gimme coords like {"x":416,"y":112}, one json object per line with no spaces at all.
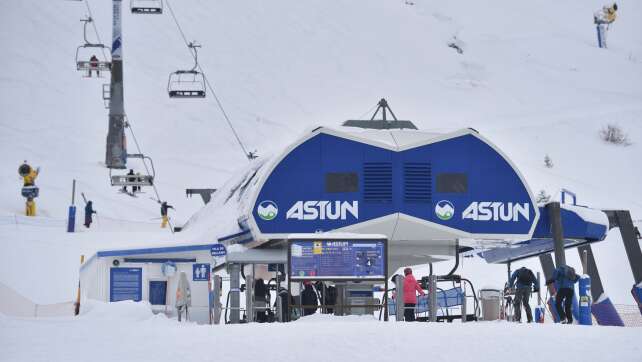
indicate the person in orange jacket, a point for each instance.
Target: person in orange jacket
{"x":410,"y":287}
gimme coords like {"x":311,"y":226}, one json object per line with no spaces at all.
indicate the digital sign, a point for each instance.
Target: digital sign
{"x":337,"y":259}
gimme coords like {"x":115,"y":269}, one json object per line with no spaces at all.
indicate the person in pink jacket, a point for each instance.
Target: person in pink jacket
{"x":410,"y":286}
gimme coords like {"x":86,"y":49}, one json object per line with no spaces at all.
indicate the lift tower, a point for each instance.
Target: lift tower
{"x":116,"y":153}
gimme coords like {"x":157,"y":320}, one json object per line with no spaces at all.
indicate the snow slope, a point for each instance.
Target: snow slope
{"x":530,"y":79}
{"x":129,"y":332}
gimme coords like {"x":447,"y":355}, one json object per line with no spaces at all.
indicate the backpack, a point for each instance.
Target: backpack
{"x":570,"y":274}
{"x":525,"y":277}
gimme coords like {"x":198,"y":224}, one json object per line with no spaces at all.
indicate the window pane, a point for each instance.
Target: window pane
{"x":452,"y":182}
{"x":341,"y":182}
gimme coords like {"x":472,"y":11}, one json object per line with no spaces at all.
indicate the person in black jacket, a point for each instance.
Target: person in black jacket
{"x":89,"y":211}
{"x":523,"y":278}
{"x":261,"y":297}
{"x":309,"y":299}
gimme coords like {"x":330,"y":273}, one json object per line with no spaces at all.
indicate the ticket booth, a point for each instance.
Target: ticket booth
{"x":151,"y":274}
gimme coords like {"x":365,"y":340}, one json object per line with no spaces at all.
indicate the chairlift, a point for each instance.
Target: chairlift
{"x":135,"y":179}
{"x":146,"y":6}
{"x":85,"y":52}
{"x":187,"y":83}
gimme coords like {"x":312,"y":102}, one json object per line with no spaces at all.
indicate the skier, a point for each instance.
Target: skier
{"x":309,"y":299}
{"x":410,"y":285}
{"x":129,"y":179}
{"x":89,"y":211}
{"x":93,"y":65}
{"x":603,"y":19}
{"x":164,"y":208}
{"x":524,"y":278}
{"x":564,"y":278}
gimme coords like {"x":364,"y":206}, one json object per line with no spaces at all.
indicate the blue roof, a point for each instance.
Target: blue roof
{"x":160,"y":250}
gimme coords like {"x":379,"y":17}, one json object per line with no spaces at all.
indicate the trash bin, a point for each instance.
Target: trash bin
{"x":491,"y":303}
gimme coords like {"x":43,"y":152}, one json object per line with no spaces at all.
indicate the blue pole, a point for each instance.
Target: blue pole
{"x":585,"y":318}
{"x":71,"y":220}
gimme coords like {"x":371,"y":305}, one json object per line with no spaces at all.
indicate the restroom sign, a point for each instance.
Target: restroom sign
{"x":200,"y":272}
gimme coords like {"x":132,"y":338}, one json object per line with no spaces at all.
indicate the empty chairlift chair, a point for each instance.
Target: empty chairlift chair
{"x":85,"y":52}
{"x":187,"y":83}
{"x":146,"y":6}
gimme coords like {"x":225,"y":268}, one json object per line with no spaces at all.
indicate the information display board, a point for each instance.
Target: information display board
{"x":337,"y":259}
{"x":125,"y":284}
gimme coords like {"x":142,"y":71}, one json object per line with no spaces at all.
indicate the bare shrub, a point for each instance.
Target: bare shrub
{"x":614,"y":134}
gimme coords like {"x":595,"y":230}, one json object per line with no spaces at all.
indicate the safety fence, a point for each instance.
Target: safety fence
{"x":630,"y":314}
{"x":16,"y":305}
{"x":101,"y":223}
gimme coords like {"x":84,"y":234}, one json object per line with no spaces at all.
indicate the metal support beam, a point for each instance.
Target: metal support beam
{"x":399,"y":297}
{"x":235,"y":292}
{"x":432,"y":295}
{"x":596,"y":282}
{"x":206,"y":194}
{"x":603,"y":309}
{"x":555,"y":216}
{"x":548,"y":268}
{"x":631,"y":244}
{"x":116,"y":150}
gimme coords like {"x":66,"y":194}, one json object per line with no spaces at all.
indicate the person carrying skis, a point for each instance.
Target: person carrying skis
{"x":164,"y":208}
{"x":93,"y":65}
{"x":564,"y":278}
{"x":524,"y":278}
{"x":410,"y":286}
{"x":603,"y":19}
{"x":89,"y":211}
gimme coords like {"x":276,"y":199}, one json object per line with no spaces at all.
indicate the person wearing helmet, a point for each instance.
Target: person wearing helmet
{"x":410,"y":288}
{"x":603,"y":19}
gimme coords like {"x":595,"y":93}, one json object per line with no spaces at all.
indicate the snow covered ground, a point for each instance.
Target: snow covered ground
{"x":127,"y":331}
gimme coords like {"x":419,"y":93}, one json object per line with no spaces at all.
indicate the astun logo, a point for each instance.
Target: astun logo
{"x":444,"y":210}
{"x":323,"y":210}
{"x":267,"y":210}
{"x":496,"y":211}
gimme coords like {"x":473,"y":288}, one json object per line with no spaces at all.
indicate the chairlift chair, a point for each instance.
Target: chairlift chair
{"x":84,"y":53}
{"x":134,"y":180}
{"x":146,"y":6}
{"x":187,"y":83}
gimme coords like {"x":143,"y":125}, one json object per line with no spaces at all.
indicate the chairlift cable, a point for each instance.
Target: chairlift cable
{"x":131,"y":130}
{"x":207,"y":82}
{"x":93,"y":24}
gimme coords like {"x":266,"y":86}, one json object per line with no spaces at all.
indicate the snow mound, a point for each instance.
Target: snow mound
{"x":331,"y":318}
{"x":126,"y":310}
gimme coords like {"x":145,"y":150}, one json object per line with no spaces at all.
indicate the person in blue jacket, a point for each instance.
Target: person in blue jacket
{"x":564,"y":278}
{"x":523,"y":278}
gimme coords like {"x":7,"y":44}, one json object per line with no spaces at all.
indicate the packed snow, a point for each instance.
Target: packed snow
{"x":128,"y":331}
{"x":530,"y":78}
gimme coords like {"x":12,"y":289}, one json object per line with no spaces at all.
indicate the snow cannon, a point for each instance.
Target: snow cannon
{"x":425,"y":191}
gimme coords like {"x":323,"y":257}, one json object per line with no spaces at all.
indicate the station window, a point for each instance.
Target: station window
{"x":341,"y":182}
{"x":452,"y":182}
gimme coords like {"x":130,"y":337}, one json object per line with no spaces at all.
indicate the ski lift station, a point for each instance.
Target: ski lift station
{"x":403,"y":196}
